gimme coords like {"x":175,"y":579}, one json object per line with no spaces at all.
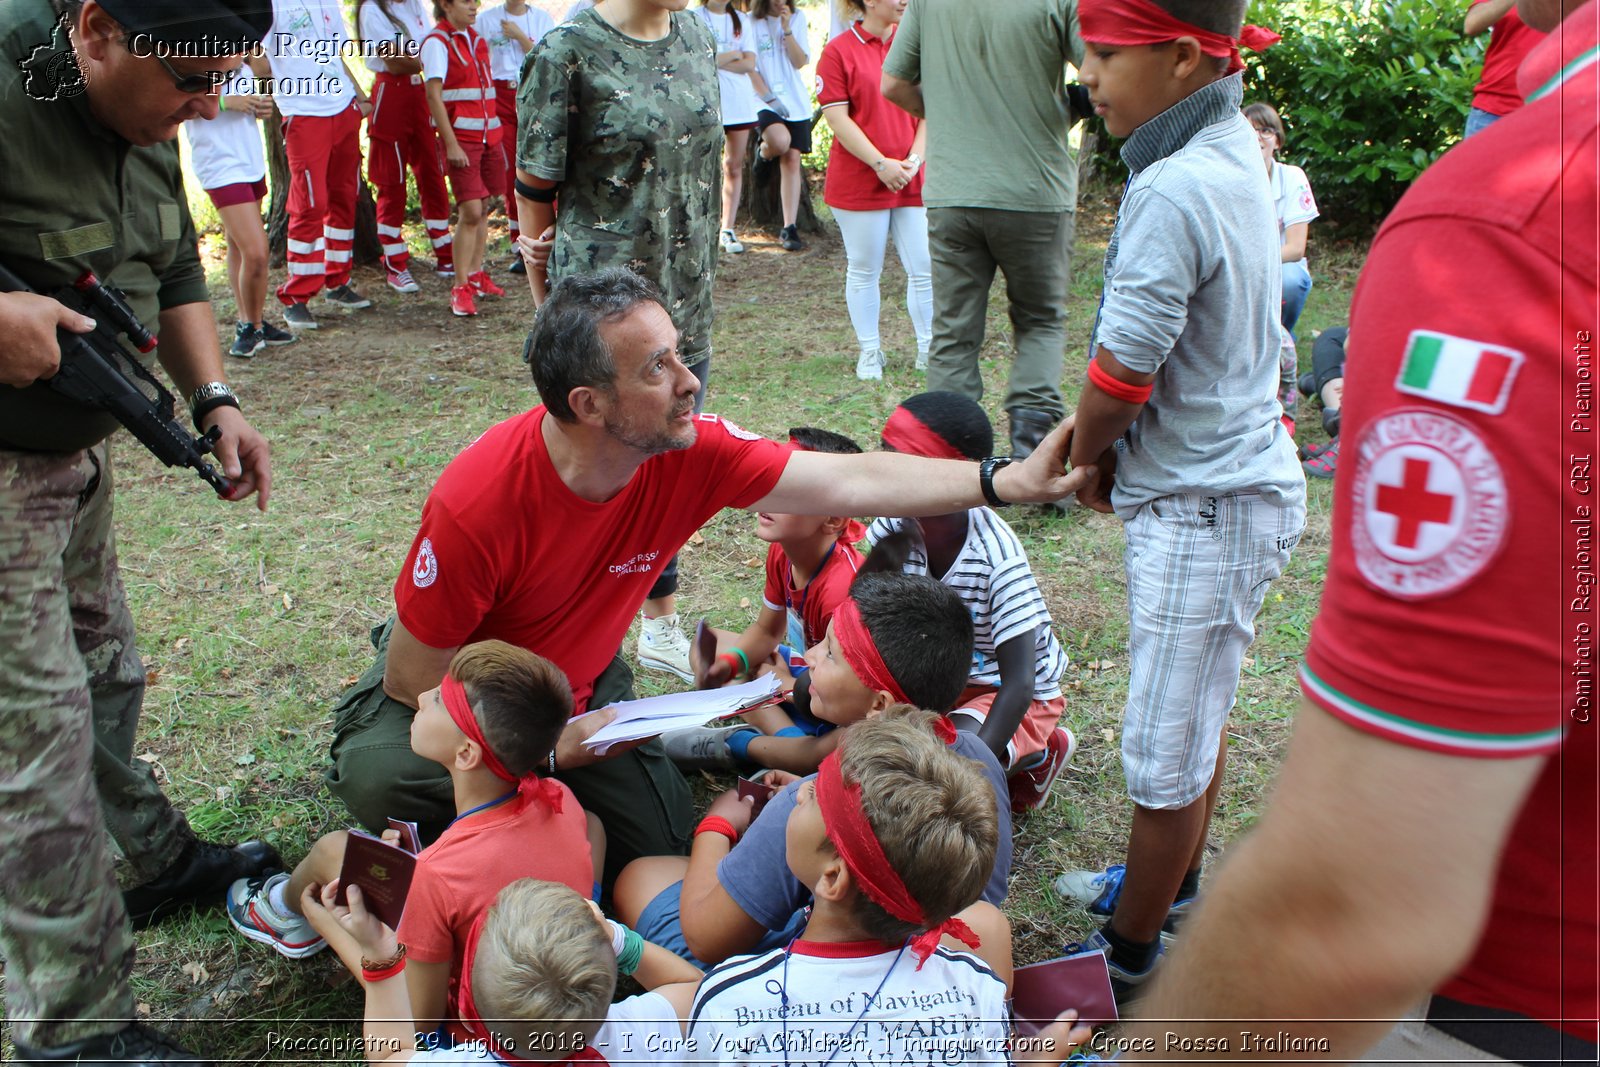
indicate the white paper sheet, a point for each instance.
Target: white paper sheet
{"x":676,"y":711}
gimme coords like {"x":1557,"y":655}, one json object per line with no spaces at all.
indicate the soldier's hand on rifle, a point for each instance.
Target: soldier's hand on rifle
{"x":243,"y":455}
{"x":28,"y":323}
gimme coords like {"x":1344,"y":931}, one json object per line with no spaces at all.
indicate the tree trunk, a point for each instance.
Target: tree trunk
{"x":364,"y":251}
{"x":761,"y":201}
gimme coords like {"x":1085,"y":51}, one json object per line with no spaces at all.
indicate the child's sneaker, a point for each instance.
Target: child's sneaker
{"x":401,"y":281}
{"x":730,"y":242}
{"x":345,"y":296}
{"x":298,"y":316}
{"x":1031,"y":785}
{"x":702,"y":748}
{"x":663,"y":646}
{"x":484,"y":285}
{"x":922,"y":359}
{"x":251,"y":912}
{"x":1323,"y":463}
{"x":275,"y":336}
{"x":247,"y":341}
{"x":461,"y":301}
{"x":1098,"y":892}
{"x":789,"y":238}
{"x":1125,"y":984}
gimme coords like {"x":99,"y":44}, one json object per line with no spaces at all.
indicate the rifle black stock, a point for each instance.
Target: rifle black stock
{"x":91,"y":373}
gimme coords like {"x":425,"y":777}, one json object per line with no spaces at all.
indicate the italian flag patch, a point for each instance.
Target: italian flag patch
{"x":1458,"y":371}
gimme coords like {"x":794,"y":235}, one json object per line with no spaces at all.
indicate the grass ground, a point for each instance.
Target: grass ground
{"x":251,"y":625}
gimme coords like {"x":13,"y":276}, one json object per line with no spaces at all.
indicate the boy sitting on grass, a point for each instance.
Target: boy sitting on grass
{"x":811,"y":561}
{"x":541,"y":969}
{"x":492,"y":722}
{"x":1013,"y":696}
{"x":894,"y":837}
{"x":899,"y":639}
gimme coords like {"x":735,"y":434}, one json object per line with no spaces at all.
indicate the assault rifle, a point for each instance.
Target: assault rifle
{"x":92,"y":373}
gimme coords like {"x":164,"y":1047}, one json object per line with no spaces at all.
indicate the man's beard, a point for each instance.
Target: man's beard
{"x":666,"y":439}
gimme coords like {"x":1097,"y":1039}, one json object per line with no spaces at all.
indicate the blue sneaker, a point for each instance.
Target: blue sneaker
{"x":1098,"y":892}
{"x":1125,"y":984}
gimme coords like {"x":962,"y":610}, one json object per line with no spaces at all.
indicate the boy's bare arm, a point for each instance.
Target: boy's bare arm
{"x":659,"y":966}
{"x":1011,"y":703}
{"x":769,"y":719}
{"x":428,"y":985}
{"x":798,"y":755}
{"x":1101,"y":420}
{"x":714,"y":926}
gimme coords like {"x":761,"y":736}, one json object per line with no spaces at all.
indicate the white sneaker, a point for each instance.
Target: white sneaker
{"x":922,"y":359}
{"x":251,"y":912}
{"x":730,"y":242}
{"x":663,"y":646}
{"x":869,"y":366}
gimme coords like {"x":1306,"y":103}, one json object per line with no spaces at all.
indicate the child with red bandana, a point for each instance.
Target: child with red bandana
{"x":1181,"y":417}
{"x":894,"y":837}
{"x":899,"y":639}
{"x":492,"y":723}
{"x":811,"y":561}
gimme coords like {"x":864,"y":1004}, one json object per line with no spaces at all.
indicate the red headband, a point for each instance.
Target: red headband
{"x":467,"y":1008}
{"x":861,"y":654}
{"x":1134,"y":22}
{"x":853,"y":838}
{"x":454,"y":696}
{"x":904,"y":432}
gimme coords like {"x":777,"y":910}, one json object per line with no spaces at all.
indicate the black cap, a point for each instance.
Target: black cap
{"x":195,"y":27}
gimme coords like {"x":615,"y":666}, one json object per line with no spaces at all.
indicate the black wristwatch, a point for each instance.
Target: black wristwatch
{"x":986,"y":471}
{"x":208,"y":398}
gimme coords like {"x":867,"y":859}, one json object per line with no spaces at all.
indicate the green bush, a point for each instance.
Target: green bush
{"x":1372,"y":92}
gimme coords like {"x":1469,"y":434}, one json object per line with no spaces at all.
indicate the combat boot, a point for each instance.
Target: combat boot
{"x":200,"y":876}
{"x":1028,"y":427}
{"x":132,"y":1046}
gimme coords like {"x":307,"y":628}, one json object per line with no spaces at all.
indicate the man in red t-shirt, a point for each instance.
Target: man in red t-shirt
{"x":1429,"y":854}
{"x":548,"y":531}
{"x":1510,"y":39}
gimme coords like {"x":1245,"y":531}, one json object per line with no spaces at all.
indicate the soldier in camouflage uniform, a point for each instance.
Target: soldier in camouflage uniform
{"x":87,"y":115}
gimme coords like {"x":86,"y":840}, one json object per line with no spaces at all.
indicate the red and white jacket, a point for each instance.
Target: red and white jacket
{"x":468,"y":90}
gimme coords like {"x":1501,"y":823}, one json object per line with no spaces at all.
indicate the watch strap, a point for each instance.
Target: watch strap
{"x":986,"y":472}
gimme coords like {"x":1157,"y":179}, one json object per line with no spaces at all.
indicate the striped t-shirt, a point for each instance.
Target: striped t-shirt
{"x":992,"y":576}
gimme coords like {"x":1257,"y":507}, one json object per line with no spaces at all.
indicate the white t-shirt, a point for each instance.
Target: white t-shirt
{"x":739,"y":100}
{"x":577,"y":7}
{"x":641,"y":1029}
{"x":227,"y":150}
{"x":375,"y":26}
{"x":505,"y":54}
{"x":305,"y":47}
{"x":952,"y":1011}
{"x":772,"y":62}
{"x":1291,"y":194}
{"x":992,"y":576}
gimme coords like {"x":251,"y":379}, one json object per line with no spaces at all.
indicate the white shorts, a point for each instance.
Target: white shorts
{"x":1198,"y":568}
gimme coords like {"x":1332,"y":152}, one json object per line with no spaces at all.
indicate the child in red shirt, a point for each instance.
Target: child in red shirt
{"x":811,"y":561}
{"x":460,"y":87}
{"x":492,"y":723}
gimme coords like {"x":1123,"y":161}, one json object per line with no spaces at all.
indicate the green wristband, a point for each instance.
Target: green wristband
{"x":632,"y":952}
{"x":737,"y":651}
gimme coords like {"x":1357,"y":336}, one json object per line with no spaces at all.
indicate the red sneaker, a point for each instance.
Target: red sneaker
{"x":484,"y":285}
{"x":461,"y":301}
{"x":1030,"y":786}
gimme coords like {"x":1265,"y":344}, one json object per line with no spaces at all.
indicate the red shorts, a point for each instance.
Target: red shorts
{"x":485,"y":172}
{"x":238,"y":193}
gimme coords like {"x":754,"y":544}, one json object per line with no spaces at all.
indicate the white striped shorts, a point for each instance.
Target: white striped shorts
{"x":1198,"y":568}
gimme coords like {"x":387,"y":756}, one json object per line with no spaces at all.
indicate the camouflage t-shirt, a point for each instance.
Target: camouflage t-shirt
{"x":632,"y":131}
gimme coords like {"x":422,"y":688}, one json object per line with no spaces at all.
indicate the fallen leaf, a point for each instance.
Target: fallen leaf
{"x":197,"y":972}
{"x":224,"y":792}
{"x":1102,"y":665}
{"x":288,"y":602}
{"x":151,"y":677}
{"x":1249,"y":661}
{"x":246,"y":759}
{"x":141,"y":1008}
{"x":698,"y":538}
{"x":180,"y":644}
{"x":1108,"y":735}
{"x":148,"y":757}
{"x":744,"y":602}
{"x":227,"y":673}
{"x":752,"y":562}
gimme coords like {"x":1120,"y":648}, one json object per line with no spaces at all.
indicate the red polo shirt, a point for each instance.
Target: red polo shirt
{"x":1510,"y":40}
{"x":849,"y":74}
{"x":1460,"y":609}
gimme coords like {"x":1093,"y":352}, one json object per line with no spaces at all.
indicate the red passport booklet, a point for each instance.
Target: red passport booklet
{"x":383,"y":872}
{"x":1041,"y":991}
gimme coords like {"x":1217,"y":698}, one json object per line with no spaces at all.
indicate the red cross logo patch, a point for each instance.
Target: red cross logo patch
{"x":1430,"y":504}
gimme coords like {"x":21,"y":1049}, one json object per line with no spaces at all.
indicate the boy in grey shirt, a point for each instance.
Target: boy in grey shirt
{"x":1180,"y":414}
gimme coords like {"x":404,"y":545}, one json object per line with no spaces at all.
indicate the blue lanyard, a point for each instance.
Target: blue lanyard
{"x":798,"y":600}
{"x":483,"y":807}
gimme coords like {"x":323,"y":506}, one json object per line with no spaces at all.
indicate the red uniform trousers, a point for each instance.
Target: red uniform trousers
{"x":400,"y":135}
{"x":505,"y":106}
{"x":325,"y":175}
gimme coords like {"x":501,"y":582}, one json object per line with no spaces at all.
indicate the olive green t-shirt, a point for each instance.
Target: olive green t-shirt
{"x":633,"y":132}
{"x":78,"y":197}
{"x":993,"y":77}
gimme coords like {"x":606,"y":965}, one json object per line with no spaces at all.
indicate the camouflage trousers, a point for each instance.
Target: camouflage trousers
{"x":71,"y":685}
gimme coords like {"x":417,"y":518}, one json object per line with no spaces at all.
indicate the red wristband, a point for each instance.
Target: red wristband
{"x":1128,"y":394}
{"x":388,"y":972}
{"x":736,"y":669}
{"x":716,"y":824}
